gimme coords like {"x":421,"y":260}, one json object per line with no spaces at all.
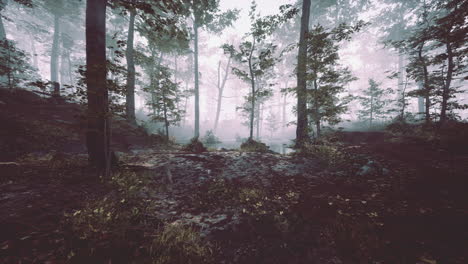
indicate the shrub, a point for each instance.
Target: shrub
{"x":195,"y":146}
{"x":254,"y":146}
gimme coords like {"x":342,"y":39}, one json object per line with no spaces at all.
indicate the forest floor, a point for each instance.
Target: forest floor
{"x":360,"y":197}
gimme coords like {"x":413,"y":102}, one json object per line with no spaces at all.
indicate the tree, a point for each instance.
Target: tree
{"x":221,"y":83}
{"x":130,"y":92}
{"x":206,"y":14}
{"x":166,"y":103}
{"x":257,"y":56}
{"x":98,"y":133}
{"x":373,"y":103}
{"x":302,"y":123}
{"x":326,"y":78}
{"x":272,"y":123}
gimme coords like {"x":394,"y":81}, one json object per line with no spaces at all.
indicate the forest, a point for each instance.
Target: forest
{"x":247,"y":131}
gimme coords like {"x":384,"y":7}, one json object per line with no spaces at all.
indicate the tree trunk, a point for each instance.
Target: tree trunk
{"x":98,"y":133}
{"x":166,"y":122}
{"x":371,"y":110}
{"x":425,"y":84}
{"x":283,"y":119}
{"x":252,"y":82}
{"x":54,"y":59}
{"x":302,"y":124}
{"x":448,"y":80}
{"x":221,"y":86}
{"x":4,"y":80}
{"x":197,"y":91}
{"x":34,"y":52}
{"x":130,"y":94}
{"x":420,"y":101}
{"x":400,"y":76}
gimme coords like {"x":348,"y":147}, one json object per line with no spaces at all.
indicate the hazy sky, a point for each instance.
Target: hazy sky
{"x":265,"y":7}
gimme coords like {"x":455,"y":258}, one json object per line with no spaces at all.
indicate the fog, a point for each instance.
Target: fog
{"x":367,"y":54}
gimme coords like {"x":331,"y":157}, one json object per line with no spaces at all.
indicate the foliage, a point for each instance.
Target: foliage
{"x":373,"y":103}
{"x":14,"y":66}
{"x":115,"y":81}
{"x":257,"y":56}
{"x":326,"y":78}
{"x":272,"y":123}
{"x":210,"y":139}
{"x":165,"y":99}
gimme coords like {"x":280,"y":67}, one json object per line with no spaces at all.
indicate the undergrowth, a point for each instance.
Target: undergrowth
{"x":120,"y":228}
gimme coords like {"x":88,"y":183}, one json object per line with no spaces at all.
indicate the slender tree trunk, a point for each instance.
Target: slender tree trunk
{"x":400,"y":75}
{"x":130,"y":94}
{"x":283,"y":119}
{"x":425,"y":84}
{"x":34,"y":52}
{"x":197,"y":90}
{"x":221,"y":86}
{"x":4,"y":80}
{"x":317,"y":109}
{"x":302,"y":124}
{"x":421,"y":100}
{"x":54,"y":59}
{"x":166,"y":122}
{"x":448,"y":81}
{"x":70,"y":67}
{"x":98,"y":133}
{"x":252,"y":82}
{"x":63,"y":67}
{"x":371,"y":110}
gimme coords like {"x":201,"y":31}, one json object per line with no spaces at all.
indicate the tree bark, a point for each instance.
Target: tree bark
{"x":98,"y":133}
{"x":252,"y":82}
{"x":197,"y":90}
{"x":302,"y":136}
{"x":448,"y":81}
{"x":425,"y":84}
{"x":130,"y":93}
{"x":33,"y":51}
{"x":4,"y":80}
{"x":221,"y":86}
{"x":54,"y":59}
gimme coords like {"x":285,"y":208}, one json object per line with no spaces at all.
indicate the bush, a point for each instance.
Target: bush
{"x":210,"y":139}
{"x":195,"y":146}
{"x":254,"y":146}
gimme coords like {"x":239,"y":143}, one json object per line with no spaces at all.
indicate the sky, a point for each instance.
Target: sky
{"x":265,"y":7}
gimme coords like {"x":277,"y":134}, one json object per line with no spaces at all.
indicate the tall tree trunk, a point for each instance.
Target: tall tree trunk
{"x":448,"y":81}
{"x":371,"y":110}
{"x":316,"y":109}
{"x":63,"y":67}
{"x":221,"y":86}
{"x":4,"y":80}
{"x":302,"y":124}
{"x":98,"y":133}
{"x":252,"y":82}
{"x":283,"y":119}
{"x":70,"y":67}
{"x":166,"y":122}
{"x":420,"y":101}
{"x":426,"y":86}
{"x":34,"y":52}
{"x":400,"y":76}
{"x":197,"y":91}
{"x":130,"y":94}
{"x":54,"y":59}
